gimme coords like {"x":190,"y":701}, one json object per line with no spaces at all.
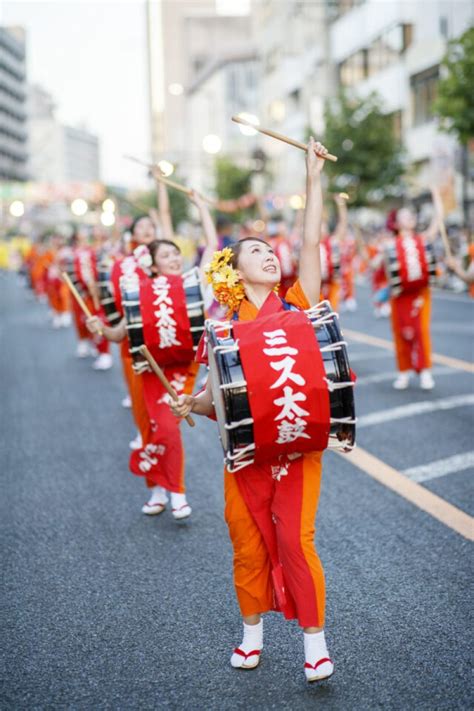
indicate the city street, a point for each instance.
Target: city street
{"x":105,"y":608}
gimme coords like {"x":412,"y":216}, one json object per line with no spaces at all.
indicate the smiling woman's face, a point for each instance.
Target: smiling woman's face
{"x":258,"y":264}
{"x":168,"y":259}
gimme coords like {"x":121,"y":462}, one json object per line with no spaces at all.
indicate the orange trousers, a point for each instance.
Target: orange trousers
{"x":331,"y":292}
{"x":272,"y":526}
{"x":58,"y":295}
{"x":412,"y":352}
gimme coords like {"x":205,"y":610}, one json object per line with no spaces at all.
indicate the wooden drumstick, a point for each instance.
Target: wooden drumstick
{"x":78,"y":297}
{"x":444,"y":237}
{"x":166,"y":181}
{"x":280,"y":137}
{"x":163,"y":379}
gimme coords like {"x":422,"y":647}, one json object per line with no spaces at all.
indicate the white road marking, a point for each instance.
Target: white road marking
{"x":451,"y":296}
{"x":359,"y":337}
{"x":450,"y":327}
{"x":418,"y":495}
{"x":415,"y":408}
{"x":368,"y":355}
{"x":449,"y":465}
{"x":391,"y":375}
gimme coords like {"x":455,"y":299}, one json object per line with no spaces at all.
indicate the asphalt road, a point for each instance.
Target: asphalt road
{"x":104,"y":608}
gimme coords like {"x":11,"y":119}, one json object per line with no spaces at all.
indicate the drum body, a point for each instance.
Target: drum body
{"x":229,"y":387}
{"x":394,"y":270}
{"x":130,"y":290}
{"x":106,"y":295}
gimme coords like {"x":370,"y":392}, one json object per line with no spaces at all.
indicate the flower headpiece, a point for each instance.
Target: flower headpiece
{"x":228,"y":289}
{"x":143,"y":257}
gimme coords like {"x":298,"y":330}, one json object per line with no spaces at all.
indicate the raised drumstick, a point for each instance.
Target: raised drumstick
{"x":279,"y":137}
{"x":163,"y":379}
{"x":166,"y":181}
{"x":77,"y":296}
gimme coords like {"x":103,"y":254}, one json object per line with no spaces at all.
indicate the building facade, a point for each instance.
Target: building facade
{"x":395,"y":49}
{"x":57,"y":153}
{"x":13,"y":117}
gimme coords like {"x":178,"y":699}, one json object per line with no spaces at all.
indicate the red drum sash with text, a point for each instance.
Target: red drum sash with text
{"x":286,"y":384}
{"x":414,"y":272}
{"x":166,"y":326}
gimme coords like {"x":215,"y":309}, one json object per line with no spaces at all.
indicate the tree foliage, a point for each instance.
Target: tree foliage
{"x":232,"y":181}
{"x":370,"y":156}
{"x":455,"y":102}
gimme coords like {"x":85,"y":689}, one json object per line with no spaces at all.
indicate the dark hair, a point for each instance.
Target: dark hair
{"x":222,"y":222}
{"x":136,"y":220}
{"x":154,"y":246}
{"x":237,"y":248}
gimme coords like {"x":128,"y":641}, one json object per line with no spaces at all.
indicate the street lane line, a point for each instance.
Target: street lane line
{"x":392,"y":374}
{"x":441,"y":467}
{"x":369,"y":355}
{"x":416,"y":494}
{"x":383,"y":343}
{"x":415,"y":408}
{"x":463,"y":296}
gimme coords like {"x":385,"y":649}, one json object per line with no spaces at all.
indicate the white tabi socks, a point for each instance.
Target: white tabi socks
{"x":157,"y":501}
{"x":247,"y":656}
{"x":179,"y":506}
{"x":318,"y":664}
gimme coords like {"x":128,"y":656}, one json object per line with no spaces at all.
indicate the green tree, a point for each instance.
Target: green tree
{"x":455,"y":102}
{"x":370,"y":156}
{"x":231,"y":180}
{"x":142,"y":201}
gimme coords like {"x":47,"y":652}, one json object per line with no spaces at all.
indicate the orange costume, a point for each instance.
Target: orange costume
{"x":330,"y":285}
{"x":271,"y":521}
{"x":58,"y":292}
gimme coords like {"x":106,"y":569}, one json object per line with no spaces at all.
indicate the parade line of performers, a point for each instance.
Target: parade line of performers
{"x":262,"y":325}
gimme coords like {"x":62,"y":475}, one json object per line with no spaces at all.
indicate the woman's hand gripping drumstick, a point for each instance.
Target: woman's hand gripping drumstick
{"x":200,"y":404}
{"x":80,"y":300}
{"x":164,"y":380}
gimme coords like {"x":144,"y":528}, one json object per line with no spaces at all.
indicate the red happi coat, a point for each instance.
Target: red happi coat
{"x":161,"y":459}
{"x":411,"y":307}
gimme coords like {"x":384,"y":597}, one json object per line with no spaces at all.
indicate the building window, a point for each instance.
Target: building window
{"x":338,"y":8}
{"x":381,"y":53}
{"x":424,"y":87}
{"x":353,"y":69}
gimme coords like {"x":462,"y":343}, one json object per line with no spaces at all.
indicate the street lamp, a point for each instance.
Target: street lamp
{"x":79,"y":207}
{"x":108,"y":205}
{"x":175,"y":89}
{"x":17,"y":208}
{"x":251,"y":118}
{"x":211,"y":143}
{"x":166,"y":168}
{"x":107,"y":218}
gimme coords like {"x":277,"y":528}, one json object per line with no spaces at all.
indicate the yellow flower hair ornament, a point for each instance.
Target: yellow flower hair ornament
{"x":228,"y":289}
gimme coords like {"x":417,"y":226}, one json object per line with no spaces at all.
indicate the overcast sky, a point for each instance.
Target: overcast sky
{"x":90,"y":55}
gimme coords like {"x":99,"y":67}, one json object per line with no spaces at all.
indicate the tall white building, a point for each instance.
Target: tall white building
{"x":292,"y":41}
{"x":13,"y":126}
{"x":57,"y":153}
{"x":188,"y":42}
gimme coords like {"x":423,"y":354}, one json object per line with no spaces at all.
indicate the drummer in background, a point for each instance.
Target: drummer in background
{"x":166,"y":259}
{"x":411,"y":309}
{"x":270,"y":510}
